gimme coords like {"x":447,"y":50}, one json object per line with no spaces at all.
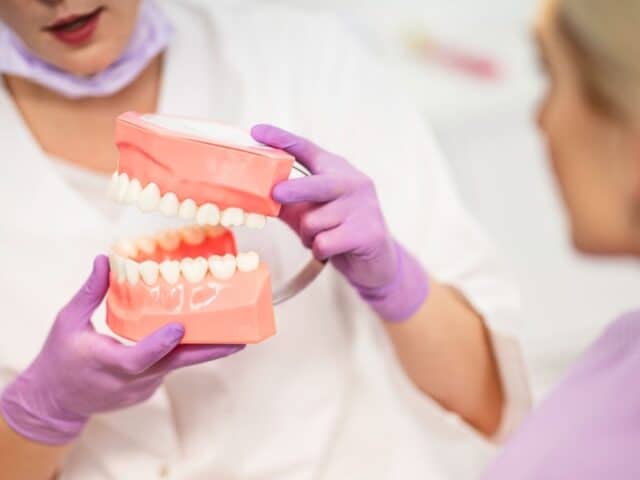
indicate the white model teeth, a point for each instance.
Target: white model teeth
{"x":255,"y":221}
{"x":149,"y":271}
{"x":170,"y":271}
{"x":169,"y":205}
{"x":248,"y":262}
{"x":113,"y":262}
{"x":146,"y":245}
{"x":188,"y":209}
{"x":169,"y":240}
{"x":133,"y":192}
{"x":149,"y":198}
{"x":132,"y":270}
{"x":223,"y":268}
{"x":112,"y":193}
{"x":208,"y":214}
{"x":214,"y":231}
{"x":127,"y":249}
{"x":232,"y":217}
{"x":117,"y":264}
{"x":125,"y":189}
{"x":194,"y":270}
{"x":193,"y":235}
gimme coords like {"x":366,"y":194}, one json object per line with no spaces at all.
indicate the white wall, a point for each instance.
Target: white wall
{"x":499,"y":162}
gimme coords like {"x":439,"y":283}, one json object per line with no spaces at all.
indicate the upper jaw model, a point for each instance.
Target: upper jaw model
{"x":214,"y":177}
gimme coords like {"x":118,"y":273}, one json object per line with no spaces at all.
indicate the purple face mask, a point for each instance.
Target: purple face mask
{"x":152,"y":35}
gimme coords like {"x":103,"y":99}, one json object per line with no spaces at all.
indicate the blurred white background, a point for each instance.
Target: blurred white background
{"x":486,"y":128}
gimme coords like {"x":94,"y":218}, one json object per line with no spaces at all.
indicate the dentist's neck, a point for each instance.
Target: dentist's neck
{"x":80,"y":131}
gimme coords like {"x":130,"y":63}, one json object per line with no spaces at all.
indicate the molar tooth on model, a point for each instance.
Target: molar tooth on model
{"x":248,"y":262}
{"x":149,"y":271}
{"x":146,"y":245}
{"x":193,"y":270}
{"x":255,"y":221}
{"x":169,"y":205}
{"x":188,"y":209}
{"x":222,"y":268}
{"x":149,"y":198}
{"x":193,"y":235}
{"x":170,"y":271}
{"x":232,"y":217}
{"x":169,"y":240}
{"x":133,"y":192}
{"x":126,"y":248}
{"x":208,"y":214}
{"x":132,"y":270}
{"x":214,"y":231}
{"x":123,"y":187}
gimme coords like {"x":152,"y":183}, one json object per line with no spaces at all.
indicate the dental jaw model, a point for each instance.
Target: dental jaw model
{"x":214,"y":178}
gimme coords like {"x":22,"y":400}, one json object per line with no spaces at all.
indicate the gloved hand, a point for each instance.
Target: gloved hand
{"x":336,"y":213}
{"x":79,"y":372}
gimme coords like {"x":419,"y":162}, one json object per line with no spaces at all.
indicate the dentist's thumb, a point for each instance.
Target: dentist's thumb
{"x":79,"y":310}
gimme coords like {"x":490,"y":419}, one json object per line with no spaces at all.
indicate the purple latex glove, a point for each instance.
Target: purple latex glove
{"x":337,"y":215}
{"x":79,"y":372}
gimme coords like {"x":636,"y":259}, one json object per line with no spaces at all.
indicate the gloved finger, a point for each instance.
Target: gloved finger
{"x":292,"y":214}
{"x":79,"y":310}
{"x":140,"y":391}
{"x":337,"y":241}
{"x":325,"y":217}
{"x":314,"y":189}
{"x":187,"y":355}
{"x":306,"y":152}
{"x":140,"y":357}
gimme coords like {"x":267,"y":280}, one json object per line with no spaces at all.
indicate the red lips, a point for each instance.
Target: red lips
{"x":76,"y":29}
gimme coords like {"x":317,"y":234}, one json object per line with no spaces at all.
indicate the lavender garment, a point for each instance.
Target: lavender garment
{"x":589,"y":427}
{"x":151,"y":36}
{"x":79,"y":372}
{"x":336,"y":213}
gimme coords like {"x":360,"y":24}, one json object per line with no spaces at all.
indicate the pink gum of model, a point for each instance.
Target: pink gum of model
{"x":238,"y":310}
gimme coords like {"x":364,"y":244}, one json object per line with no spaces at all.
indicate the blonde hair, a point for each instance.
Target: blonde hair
{"x":605,"y":38}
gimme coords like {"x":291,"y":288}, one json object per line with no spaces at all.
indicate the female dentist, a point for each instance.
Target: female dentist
{"x":378,"y":370}
{"x":589,"y":426}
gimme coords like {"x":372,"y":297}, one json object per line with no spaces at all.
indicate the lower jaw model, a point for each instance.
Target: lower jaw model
{"x":217,"y":178}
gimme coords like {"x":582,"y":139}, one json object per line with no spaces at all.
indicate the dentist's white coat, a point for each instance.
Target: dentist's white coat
{"x":325,"y":398}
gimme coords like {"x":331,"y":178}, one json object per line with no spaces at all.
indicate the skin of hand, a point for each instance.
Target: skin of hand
{"x":440,"y":340}
{"x":79,"y":373}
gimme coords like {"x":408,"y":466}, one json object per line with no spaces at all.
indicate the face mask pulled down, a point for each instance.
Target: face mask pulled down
{"x":151,"y":36}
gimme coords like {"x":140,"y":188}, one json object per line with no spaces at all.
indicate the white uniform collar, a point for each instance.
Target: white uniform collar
{"x":30,"y":182}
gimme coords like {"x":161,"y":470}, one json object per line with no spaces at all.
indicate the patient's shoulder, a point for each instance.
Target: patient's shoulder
{"x":617,"y":348}
{"x":622,"y":333}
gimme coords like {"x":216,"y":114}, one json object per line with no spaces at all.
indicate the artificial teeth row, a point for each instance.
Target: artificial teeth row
{"x":194,"y":270}
{"x":130,"y":191}
{"x":168,"y":240}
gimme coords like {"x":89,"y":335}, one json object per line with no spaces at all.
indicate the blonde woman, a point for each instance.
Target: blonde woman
{"x":589,"y":428}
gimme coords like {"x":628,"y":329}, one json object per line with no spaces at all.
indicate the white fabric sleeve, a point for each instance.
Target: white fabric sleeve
{"x":374,"y":126}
